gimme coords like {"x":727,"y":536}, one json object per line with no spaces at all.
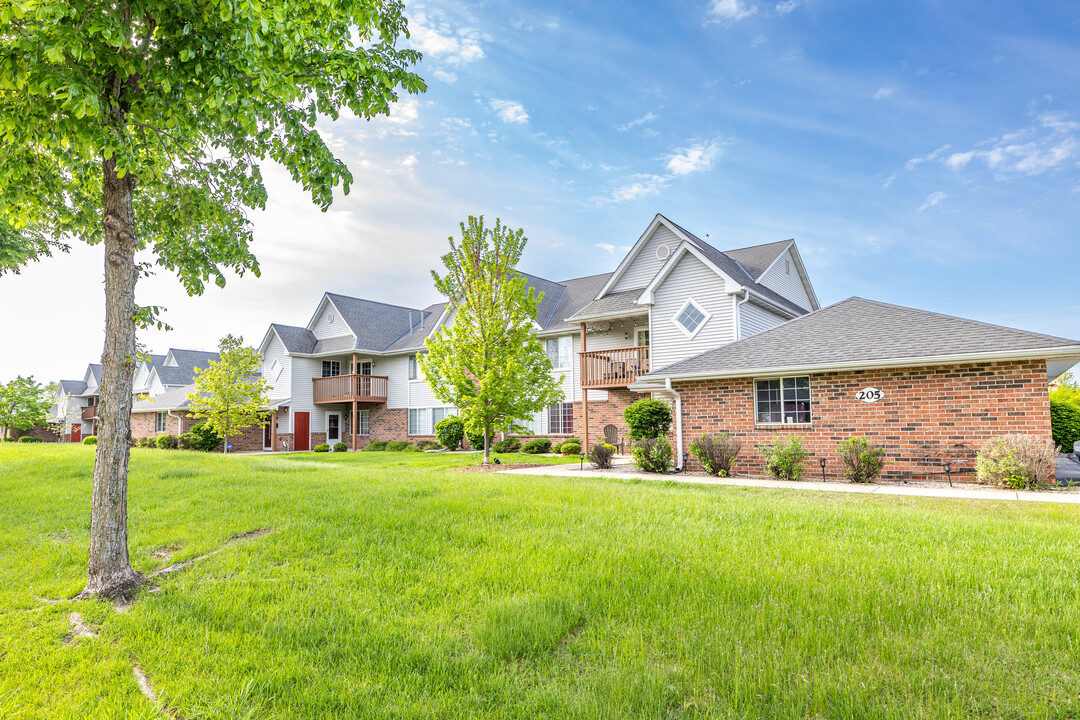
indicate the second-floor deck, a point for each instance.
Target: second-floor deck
{"x":617,"y":368}
{"x":89,"y":412}
{"x":347,"y":388}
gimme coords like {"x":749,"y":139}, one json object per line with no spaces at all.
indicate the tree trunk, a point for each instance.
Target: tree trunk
{"x":110,"y":573}
{"x":487,"y":446}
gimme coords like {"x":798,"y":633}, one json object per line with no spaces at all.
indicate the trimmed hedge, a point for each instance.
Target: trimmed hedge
{"x":30,"y":439}
{"x":536,"y":446}
{"x":339,"y":446}
{"x":90,"y":440}
{"x":399,"y":446}
{"x":648,"y":418}
{"x":509,"y":445}
{"x":450,"y":431}
{"x":374,"y":446}
{"x":570,"y":447}
{"x":165,"y":441}
{"x":321,"y":447}
{"x":1064,"y":424}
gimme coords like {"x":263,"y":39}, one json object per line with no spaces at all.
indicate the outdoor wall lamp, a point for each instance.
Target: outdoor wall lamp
{"x":948,"y":471}
{"x":822,"y":461}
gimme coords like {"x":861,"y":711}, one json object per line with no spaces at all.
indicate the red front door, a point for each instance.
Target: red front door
{"x":301,"y":423}
{"x":76,"y":433}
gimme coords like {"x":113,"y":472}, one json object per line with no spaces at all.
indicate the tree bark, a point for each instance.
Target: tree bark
{"x":109,"y":567}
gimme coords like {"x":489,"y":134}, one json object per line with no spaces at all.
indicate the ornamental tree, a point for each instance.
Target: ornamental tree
{"x":488,"y":361}
{"x":23,"y":404}
{"x":230,"y":393}
{"x":144,"y":125}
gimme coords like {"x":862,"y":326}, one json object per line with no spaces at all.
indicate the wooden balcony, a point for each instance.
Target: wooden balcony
{"x":89,"y":412}
{"x":613,"y":368}
{"x":346,"y":388}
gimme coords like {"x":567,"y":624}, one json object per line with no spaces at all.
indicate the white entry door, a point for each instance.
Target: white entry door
{"x":333,"y":428}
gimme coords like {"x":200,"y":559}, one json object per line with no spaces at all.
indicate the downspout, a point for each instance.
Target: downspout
{"x":678,"y":424}
{"x":179,"y":423}
{"x":738,"y":314}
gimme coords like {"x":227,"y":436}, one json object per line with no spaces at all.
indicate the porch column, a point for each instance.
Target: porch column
{"x":584,"y":392}
{"x":355,"y":391}
{"x":273,"y":430}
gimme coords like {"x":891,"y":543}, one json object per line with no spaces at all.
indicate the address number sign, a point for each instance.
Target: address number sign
{"x":869,"y":395}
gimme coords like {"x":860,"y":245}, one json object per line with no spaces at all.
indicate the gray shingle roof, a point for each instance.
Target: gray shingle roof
{"x":855,"y":330}
{"x":296,"y":339}
{"x":72,"y":387}
{"x":95,"y":369}
{"x":183,"y":373}
{"x":175,"y":399}
{"x":578,"y":294}
{"x":757,"y":258}
{"x":415,"y":339}
{"x":623,"y":302}
{"x":376,"y":325}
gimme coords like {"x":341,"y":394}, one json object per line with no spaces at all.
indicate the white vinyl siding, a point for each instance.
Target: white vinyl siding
{"x":275,"y":352}
{"x":398,"y":385}
{"x":644,"y":267}
{"x":669,"y":343}
{"x":326,"y":328}
{"x":788,"y":284}
{"x":754,"y":319}
{"x":301,"y":396}
{"x":561,"y":352}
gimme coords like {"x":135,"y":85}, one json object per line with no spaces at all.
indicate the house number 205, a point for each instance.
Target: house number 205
{"x":869,"y":394}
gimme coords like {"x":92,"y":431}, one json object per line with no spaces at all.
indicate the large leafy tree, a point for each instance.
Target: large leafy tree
{"x":144,"y":124}
{"x":488,"y":361}
{"x":23,"y":404}
{"x":230,"y":393}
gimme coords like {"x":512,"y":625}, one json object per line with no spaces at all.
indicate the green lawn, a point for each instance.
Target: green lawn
{"x":391,"y":587}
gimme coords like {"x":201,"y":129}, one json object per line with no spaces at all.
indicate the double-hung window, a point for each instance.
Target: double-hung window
{"x":363,"y":422}
{"x":561,"y":419}
{"x":441,"y":413}
{"x":413,"y":368}
{"x":331,"y":368}
{"x":420,"y":421}
{"x":161,"y":424}
{"x":561,"y":351}
{"x":783,"y":401}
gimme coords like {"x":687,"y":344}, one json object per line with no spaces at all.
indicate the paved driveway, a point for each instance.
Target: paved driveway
{"x":1068,"y":469}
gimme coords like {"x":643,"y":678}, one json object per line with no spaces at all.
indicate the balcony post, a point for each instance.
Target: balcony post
{"x":356,"y":389}
{"x":584,"y":391}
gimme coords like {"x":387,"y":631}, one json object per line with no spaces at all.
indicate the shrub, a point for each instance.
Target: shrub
{"x":862,"y":459}
{"x":165,"y":441}
{"x":652,"y":455}
{"x":398,"y":445}
{"x":428,"y":445}
{"x":1020,"y":462}
{"x":648,"y":419}
{"x":145,"y":442}
{"x":716,"y":453}
{"x":537,"y":446}
{"x":600,"y":455}
{"x":185,"y":441}
{"x":90,"y":440}
{"x":570,"y":447}
{"x":409,"y":447}
{"x":1064,"y":424}
{"x":509,"y":445}
{"x":450,"y":431}
{"x":375,"y":446}
{"x":11,"y":438}
{"x":321,"y":447}
{"x":784,"y":458}
{"x":476,"y":440}
{"x":204,"y":437}
{"x":30,"y":439}
{"x":339,"y":446}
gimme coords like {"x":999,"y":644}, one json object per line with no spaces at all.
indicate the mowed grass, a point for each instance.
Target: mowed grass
{"x":391,"y":587}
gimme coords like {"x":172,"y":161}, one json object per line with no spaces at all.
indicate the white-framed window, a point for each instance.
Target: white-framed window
{"x":690,"y":318}
{"x":275,"y":369}
{"x":419,"y":421}
{"x":363,"y":422}
{"x":641,"y":336}
{"x":161,"y":424}
{"x":441,"y":413}
{"x":331,"y":368}
{"x":561,"y":352}
{"x":782,"y":401}
{"x":535,"y":424}
{"x":561,"y":419}
{"x":414,"y":370}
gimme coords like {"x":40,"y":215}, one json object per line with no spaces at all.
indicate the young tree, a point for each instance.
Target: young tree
{"x":23,"y":404}
{"x":1066,"y":389}
{"x":143,"y":124}
{"x":230,"y":393}
{"x":488,"y":361}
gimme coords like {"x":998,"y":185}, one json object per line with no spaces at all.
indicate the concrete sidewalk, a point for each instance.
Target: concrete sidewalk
{"x":623,"y":471}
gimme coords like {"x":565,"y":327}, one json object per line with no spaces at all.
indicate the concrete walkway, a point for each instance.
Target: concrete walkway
{"x":624,"y":471}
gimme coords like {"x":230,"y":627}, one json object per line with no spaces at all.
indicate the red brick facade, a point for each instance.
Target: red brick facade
{"x":604,"y":412}
{"x":927,"y":414}
{"x":144,"y":425}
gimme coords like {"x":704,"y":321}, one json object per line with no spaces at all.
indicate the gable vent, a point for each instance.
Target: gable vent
{"x":663,"y":252}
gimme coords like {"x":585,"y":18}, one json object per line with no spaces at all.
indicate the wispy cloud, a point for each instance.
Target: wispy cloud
{"x":647,"y":117}
{"x":729,"y":10}
{"x":441,"y":42}
{"x":916,"y":161}
{"x":642,"y":186}
{"x":883,"y":92}
{"x":783,"y":8}
{"x":1052,"y":142}
{"x":932,"y":199}
{"x":510,"y":111}
{"x":607,"y":247}
{"x":697,"y":157}
{"x":446,"y":77}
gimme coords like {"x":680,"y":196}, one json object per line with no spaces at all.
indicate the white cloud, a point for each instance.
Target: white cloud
{"x":916,"y":161}
{"x":884,"y":92}
{"x":510,"y":111}
{"x":888,"y":181}
{"x":647,"y":117}
{"x":446,"y":77}
{"x":697,"y":157}
{"x":646,"y":185}
{"x":783,"y":8}
{"x":932,"y":199}
{"x":1051,"y":143}
{"x":608,"y":247}
{"x":729,"y":10}
{"x":441,"y":42}
{"x":758,"y":40}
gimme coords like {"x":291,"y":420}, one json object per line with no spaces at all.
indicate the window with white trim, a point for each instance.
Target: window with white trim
{"x":535,"y":424}
{"x":413,"y":369}
{"x":561,"y":352}
{"x":275,"y":369}
{"x":561,"y":418}
{"x":783,"y":401}
{"x":162,"y":422}
{"x":363,"y":422}
{"x":419,"y":421}
{"x":331,"y":368}
{"x":441,"y":413}
{"x":691,"y":318}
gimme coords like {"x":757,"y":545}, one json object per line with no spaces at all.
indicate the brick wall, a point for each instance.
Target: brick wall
{"x":604,"y":412}
{"x":927,"y":414}
{"x":144,"y":425}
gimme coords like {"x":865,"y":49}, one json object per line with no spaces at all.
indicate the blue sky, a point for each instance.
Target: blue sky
{"x":926,"y":154}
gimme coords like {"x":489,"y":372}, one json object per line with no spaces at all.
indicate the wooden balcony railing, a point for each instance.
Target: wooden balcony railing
{"x":346,"y":388}
{"x":613,"y":368}
{"x":89,"y":412}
